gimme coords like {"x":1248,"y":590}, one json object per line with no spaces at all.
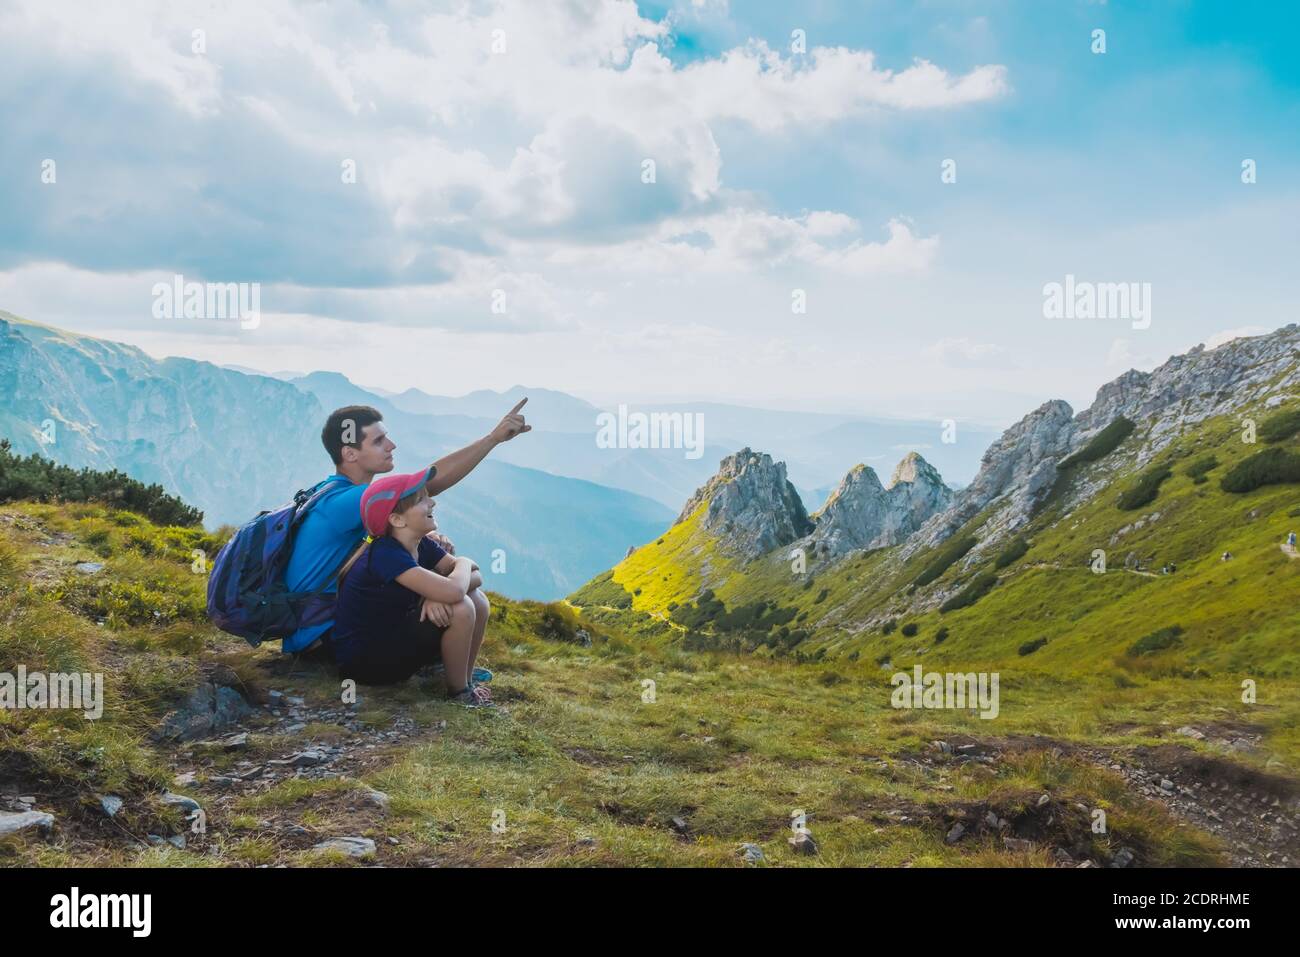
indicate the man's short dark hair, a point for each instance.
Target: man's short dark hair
{"x":347,"y":424}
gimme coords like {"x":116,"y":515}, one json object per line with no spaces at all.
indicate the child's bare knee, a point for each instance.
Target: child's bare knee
{"x":465,"y":611}
{"x":482,"y":607}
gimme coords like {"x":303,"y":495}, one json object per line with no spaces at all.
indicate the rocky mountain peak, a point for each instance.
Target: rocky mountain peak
{"x":913,"y":468}
{"x":1020,"y":465}
{"x":751,"y":505}
{"x":861,"y":513}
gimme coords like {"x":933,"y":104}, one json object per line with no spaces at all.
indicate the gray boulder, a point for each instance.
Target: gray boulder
{"x":209,"y":710}
{"x":14,"y":822}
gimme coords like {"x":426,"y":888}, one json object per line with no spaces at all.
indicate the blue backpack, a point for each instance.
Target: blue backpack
{"x":247,"y":595}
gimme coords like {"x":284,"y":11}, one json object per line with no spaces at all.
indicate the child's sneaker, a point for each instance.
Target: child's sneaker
{"x":480,"y":675}
{"x":473,"y":697}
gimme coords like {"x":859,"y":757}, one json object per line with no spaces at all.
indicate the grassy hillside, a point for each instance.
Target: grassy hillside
{"x":1238,"y":614}
{"x":1038,"y":613}
{"x":582,"y":766}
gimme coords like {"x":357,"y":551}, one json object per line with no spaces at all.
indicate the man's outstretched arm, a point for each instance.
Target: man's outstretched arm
{"x":452,"y":468}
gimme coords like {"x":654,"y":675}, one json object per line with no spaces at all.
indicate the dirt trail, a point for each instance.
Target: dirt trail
{"x":1255,"y":813}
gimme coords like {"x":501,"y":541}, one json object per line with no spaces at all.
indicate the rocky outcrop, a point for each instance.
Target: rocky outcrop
{"x":750,"y":505}
{"x":861,"y":513}
{"x":1019,"y":468}
{"x":1197,"y":385}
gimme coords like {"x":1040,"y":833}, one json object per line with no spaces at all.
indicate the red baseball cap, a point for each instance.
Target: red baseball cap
{"x":382,"y":495}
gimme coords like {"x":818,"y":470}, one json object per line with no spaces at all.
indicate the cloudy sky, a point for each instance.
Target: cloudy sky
{"x":500,"y":228}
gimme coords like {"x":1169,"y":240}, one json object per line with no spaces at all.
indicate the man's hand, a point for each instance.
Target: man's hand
{"x":511,"y":425}
{"x":436,"y":612}
{"x":446,"y":543}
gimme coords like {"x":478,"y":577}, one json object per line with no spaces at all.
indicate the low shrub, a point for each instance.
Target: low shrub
{"x":979,"y":587}
{"x":1101,"y":444}
{"x":1281,"y":426}
{"x":1013,"y":552}
{"x":1156,"y":641}
{"x":1270,"y":467}
{"x":944,"y":559}
{"x":1145,"y":489}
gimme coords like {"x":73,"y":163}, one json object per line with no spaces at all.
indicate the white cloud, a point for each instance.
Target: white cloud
{"x":741,"y":239}
{"x":461,"y":147}
{"x":961,"y":352}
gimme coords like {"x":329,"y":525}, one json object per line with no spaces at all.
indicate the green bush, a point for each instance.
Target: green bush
{"x":1270,"y":467}
{"x":558,"y":622}
{"x":979,"y":587}
{"x":1029,"y":647}
{"x":1101,"y":444}
{"x":821,"y":596}
{"x":1196,"y":470}
{"x":1013,"y":552}
{"x":1144,"y":491}
{"x":1156,"y":641}
{"x":944,"y":558}
{"x":1282,"y":426}
{"x":910,"y":629}
{"x":41,"y":480}
{"x":888,"y":627}
{"x":941,"y":636}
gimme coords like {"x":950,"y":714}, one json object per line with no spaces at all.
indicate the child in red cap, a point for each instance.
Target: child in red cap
{"x":403,"y":602}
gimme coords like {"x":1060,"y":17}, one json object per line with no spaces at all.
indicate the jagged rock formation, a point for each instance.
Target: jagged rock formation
{"x":1020,"y":467}
{"x":1197,"y":385}
{"x":751,"y":505}
{"x":861,"y":513}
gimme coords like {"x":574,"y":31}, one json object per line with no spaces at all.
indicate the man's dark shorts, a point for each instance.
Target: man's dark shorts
{"x":397,"y":655}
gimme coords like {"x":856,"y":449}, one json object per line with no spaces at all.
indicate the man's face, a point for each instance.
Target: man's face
{"x":374,"y":453}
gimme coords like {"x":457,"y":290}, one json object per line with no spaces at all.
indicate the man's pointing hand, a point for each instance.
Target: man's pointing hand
{"x":511,"y":424}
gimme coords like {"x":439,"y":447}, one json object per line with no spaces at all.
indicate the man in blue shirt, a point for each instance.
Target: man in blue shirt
{"x":358,"y":443}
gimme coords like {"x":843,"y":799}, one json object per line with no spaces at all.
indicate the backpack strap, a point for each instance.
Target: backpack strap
{"x":314,"y":495}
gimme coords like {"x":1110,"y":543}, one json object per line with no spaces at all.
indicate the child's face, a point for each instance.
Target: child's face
{"x":418,"y":515}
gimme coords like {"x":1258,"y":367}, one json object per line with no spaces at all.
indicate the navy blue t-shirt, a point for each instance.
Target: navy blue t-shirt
{"x":371,"y":604}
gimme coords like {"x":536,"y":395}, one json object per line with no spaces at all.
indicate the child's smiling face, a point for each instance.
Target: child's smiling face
{"x":417,"y":515}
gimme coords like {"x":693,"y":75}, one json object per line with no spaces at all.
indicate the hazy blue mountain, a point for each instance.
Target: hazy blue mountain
{"x":231,"y":444}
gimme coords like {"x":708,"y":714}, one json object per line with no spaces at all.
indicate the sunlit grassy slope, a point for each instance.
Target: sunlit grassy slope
{"x":1236,"y":614}
{"x":1239,"y":619}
